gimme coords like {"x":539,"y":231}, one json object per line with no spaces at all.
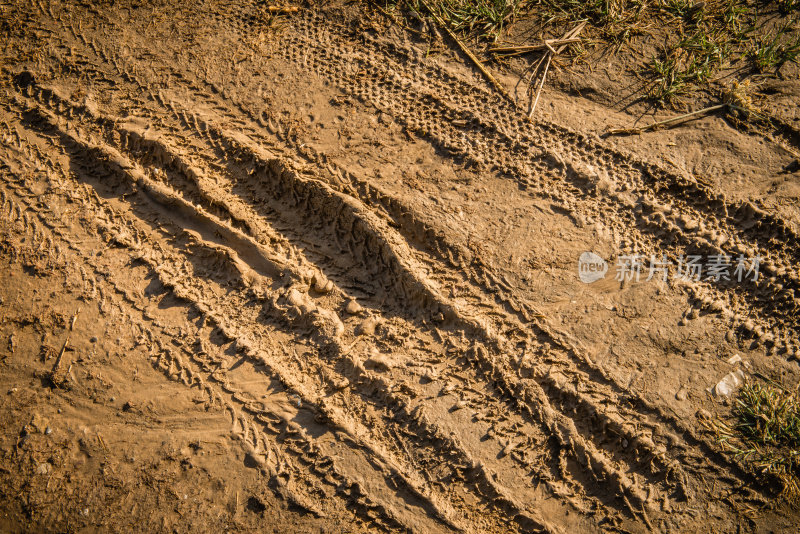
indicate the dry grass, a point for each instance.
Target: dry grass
{"x":706,"y":38}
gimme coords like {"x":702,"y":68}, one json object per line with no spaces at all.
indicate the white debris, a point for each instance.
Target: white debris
{"x":733,"y":360}
{"x":728,"y":384}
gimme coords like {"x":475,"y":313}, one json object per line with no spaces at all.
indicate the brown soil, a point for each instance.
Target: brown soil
{"x":307,"y":279}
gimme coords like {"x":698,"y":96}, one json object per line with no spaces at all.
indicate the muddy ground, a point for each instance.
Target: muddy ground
{"x":310,"y":278}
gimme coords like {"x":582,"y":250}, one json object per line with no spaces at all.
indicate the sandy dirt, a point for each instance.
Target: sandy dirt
{"x":309,"y":278}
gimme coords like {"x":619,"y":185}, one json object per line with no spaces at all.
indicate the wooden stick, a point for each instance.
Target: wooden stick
{"x":469,"y":54}
{"x":57,"y":363}
{"x":60,"y":355}
{"x":547,"y":43}
{"x":630,"y":131}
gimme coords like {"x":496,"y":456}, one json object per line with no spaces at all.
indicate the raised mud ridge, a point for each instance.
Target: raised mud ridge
{"x":416,"y":410}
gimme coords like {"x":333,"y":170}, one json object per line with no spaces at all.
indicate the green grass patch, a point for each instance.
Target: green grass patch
{"x":774,"y":49}
{"x":690,"y":63}
{"x":484,"y":18}
{"x":765,"y":432}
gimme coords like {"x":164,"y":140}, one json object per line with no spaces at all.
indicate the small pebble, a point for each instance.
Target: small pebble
{"x":353,"y":307}
{"x":368,"y":327}
{"x":322,"y":284}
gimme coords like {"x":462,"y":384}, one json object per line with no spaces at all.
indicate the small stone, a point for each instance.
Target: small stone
{"x":48,"y":431}
{"x":369,"y":325}
{"x":43,"y":468}
{"x":353,"y":307}
{"x":682,"y":394}
{"x":322,"y":284}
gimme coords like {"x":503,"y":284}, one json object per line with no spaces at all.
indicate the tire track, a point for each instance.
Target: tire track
{"x":219,"y":182}
{"x":586,"y":454}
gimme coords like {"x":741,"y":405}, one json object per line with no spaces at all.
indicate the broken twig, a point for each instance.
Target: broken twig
{"x":652,"y":126}
{"x":522,"y":49}
{"x":565,"y":40}
{"x":57,"y":364}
